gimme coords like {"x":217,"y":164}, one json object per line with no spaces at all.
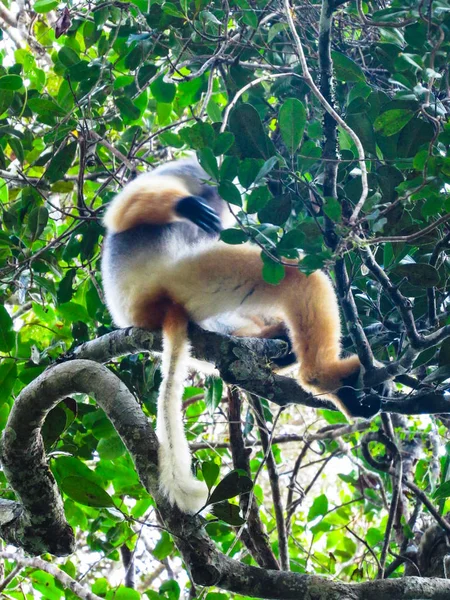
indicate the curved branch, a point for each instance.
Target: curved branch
{"x":40,"y":525}
{"x":22,"y":439}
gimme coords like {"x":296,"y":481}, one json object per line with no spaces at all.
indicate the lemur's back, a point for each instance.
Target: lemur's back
{"x":137,"y":250}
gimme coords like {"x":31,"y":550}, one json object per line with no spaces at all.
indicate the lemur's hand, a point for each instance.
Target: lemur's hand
{"x":196,"y":210}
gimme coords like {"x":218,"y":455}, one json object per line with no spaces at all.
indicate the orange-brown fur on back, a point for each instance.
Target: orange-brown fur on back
{"x":150,"y":200}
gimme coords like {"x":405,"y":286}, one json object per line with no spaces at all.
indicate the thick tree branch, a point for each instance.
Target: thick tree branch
{"x":64,"y":579}
{"x":245,"y":362}
{"x":258,"y":541}
{"x":207,"y":565}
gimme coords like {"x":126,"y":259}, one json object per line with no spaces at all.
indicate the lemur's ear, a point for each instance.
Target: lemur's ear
{"x":196,"y":210}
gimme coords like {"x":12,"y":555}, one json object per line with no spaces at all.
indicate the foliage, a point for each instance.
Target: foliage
{"x":91,"y":92}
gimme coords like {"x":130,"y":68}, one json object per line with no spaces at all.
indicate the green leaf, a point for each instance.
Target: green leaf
{"x":345,"y":69}
{"x":162,"y":91}
{"x":86,"y":492}
{"x":65,"y":290}
{"x":277,"y":210}
{"x":213,"y":392}
{"x":111,"y":448}
{"x":127,"y":109}
{"x":319,"y":507}
{"x":229,"y":513}
{"x":230,"y":193}
{"x":273,"y":272}
{"x":444,"y":353}
{"x":248,"y":171}
{"x":61,"y":162}
{"x":443,"y":491}
{"x":292,"y":121}
{"x":251,"y":139}
{"x":223,"y":143}
{"x":233,"y":236}
{"x":101,"y":585}
{"x":208,"y":161}
{"x":68,"y":57}
{"x":231,"y":485}
{"x":145,"y":73}
{"x":164,"y":547}
{"x":54,"y":426}
{"x":7,"y":335}
{"x":11,"y":82}
{"x":420,"y":274}
{"x":200,"y":135}
{"x":125,"y":593}
{"x":6,"y":98}
{"x":266,"y":168}
{"x":210,"y":472}
{"x":333,"y":209}
{"x":45,"y":107}
{"x":392,"y":121}
{"x":17,"y":148}
{"x":37,"y":220}
{"x":8,"y":374}
{"x":45,"y":6}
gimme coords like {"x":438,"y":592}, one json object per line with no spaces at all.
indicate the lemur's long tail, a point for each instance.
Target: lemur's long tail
{"x":176,"y":479}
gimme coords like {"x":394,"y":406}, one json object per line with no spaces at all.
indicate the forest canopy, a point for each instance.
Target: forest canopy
{"x":324,"y":126}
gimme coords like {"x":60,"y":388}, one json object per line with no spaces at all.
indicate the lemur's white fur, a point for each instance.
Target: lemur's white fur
{"x":175,"y":475}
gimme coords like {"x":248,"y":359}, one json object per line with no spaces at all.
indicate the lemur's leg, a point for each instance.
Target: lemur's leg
{"x":223,"y":278}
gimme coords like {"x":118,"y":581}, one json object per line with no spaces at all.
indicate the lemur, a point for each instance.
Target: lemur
{"x":163,"y":265}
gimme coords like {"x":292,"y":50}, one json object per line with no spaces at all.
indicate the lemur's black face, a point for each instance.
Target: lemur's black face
{"x":196,"y":210}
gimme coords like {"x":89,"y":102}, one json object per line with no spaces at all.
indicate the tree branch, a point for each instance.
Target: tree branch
{"x":207,"y":566}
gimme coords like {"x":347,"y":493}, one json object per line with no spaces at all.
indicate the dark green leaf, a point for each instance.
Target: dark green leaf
{"x":231,"y":485}
{"x":248,"y":171}
{"x":333,"y":209}
{"x":11,"y":82}
{"x":230,"y":193}
{"x":443,"y":491}
{"x":61,"y":162}
{"x":251,"y":139}
{"x":392,"y":121}
{"x":345,"y":68}
{"x":54,"y":426}
{"x":277,"y":210}
{"x":65,"y":290}
{"x":45,"y":107}
{"x":444,"y":353}
{"x":420,"y":274}
{"x":233,"y":236}
{"x":210,"y":472}
{"x":8,"y":371}
{"x":37,"y":220}
{"x":162,"y":91}
{"x":17,"y":148}
{"x":7,"y":335}
{"x":86,"y":492}
{"x":229,"y":513}
{"x":213,"y":392}
{"x":68,"y":57}
{"x":208,"y":161}
{"x":127,"y":109}
{"x":292,"y":121}
{"x":223,"y":142}
{"x":266,"y":168}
